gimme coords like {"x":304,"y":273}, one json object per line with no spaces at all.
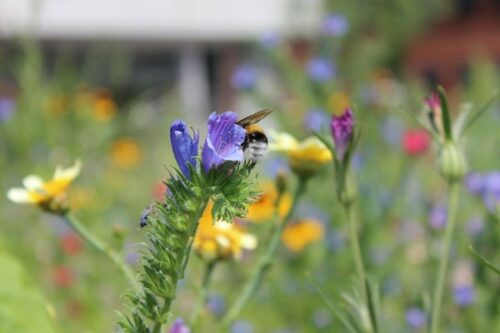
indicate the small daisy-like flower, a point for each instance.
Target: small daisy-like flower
{"x":298,"y":235}
{"x":216,"y":240}
{"x":45,"y":193}
{"x":263,"y":209}
{"x":306,"y":157}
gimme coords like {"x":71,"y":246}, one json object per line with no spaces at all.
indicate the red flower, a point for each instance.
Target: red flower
{"x":416,"y":142}
{"x":63,"y":276}
{"x":70,"y":243}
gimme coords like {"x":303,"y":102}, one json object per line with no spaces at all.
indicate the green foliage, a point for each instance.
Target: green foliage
{"x":22,"y":306}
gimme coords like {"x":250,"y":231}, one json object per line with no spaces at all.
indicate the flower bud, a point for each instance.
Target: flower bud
{"x":309,"y":157}
{"x":281,"y":182}
{"x":452,"y":163}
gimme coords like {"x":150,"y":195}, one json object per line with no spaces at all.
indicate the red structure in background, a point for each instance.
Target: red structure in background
{"x":443,"y":53}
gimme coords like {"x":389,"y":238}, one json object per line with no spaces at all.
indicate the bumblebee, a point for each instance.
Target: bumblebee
{"x":255,"y":144}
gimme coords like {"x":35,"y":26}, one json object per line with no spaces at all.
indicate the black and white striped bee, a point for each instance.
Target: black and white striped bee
{"x":255,"y":144}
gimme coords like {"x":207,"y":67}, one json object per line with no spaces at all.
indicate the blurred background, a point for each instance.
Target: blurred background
{"x":101,"y":80}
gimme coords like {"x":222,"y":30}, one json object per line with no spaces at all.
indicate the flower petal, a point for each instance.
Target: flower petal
{"x":19,"y":195}
{"x":69,"y":173}
{"x":33,"y":182}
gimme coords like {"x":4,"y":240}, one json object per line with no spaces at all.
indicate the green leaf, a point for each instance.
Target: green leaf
{"x":483,"y":261}
{"x":445,"y":113}
{"x":372,"y":306}
{"x":22,"y":306}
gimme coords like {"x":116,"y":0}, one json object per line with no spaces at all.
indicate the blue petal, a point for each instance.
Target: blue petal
{"x":184,"y":146}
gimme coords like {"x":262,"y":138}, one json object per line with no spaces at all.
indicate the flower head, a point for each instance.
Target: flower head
{"x":269,"y":40}
{"x":7,"y":108}
{"x":45,"y":194}
{"x":320,"y":69}
{"x":464,"y":295}
{"x":416,"y":318}
{"x":223,"y":142}
{"x":298,"y":235}
{"x":305,"y":158}
{"x":342,"y":132}
{"x":263,"y":209}
{"x":338,"y":102}
{"x":315,"y":119}
{"x":104,"y":107}
{"x":125,"y":153}
{"x":244,"y":77}
{"x":335,"y":25}
{"x":184,"y":146}
{"x":221,"y":240}
{"x":437,"y":217}
{"x":179,"y":327}
{"x":416,"y":142}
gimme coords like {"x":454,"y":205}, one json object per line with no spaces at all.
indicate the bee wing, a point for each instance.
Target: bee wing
{"x":254,"y":117}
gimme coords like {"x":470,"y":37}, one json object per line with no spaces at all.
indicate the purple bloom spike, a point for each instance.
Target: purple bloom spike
{"x":342,"y":131}
{"x":184,"y":146}
{"x":223,"y":142}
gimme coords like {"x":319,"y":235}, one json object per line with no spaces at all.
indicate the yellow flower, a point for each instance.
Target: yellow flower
{"x":306,"y":157}
{"x":221,"y":240}
{"x":338,"y":102}
{"x":125,"y":153}
{"x":44,"y":194}
{"x":298,"y":235}
{"x":104,"y":107}
{"x":263,"y":209}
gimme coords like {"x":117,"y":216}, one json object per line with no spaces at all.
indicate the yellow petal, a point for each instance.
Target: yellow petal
{"x":283,"y":142}
{"x":248,"y":241}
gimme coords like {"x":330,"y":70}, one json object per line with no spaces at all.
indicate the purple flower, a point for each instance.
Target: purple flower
{"x":242,"y":327}
{"x":320,"y":69}
{"x":474,"y":182}
{"x":223,"y":142}
{"x":437,"y":217}
{"x":216,"y":304}
{"x":184,"y":146}
{"x":342,"y":130}
{"x":7,"y":108}
{"x":179,"y":327}
{"x":491,"y":193}
{"x":315,"y":119}
{"x":335,"y":25}
{"x":269,"y":40}
{"x":244,"y":77}
{"x":416,"y":318}
{"x":464,"y":295}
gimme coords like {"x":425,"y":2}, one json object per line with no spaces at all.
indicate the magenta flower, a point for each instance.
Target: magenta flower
{"x":184,"y":146}
{"x":433,"y":102}
{"x":342,"y":132}
{"x":223,"y":142}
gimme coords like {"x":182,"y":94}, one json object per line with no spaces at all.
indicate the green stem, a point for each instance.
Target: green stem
{"x":264,"y":262}
{"x":355,"y":247}
{"x":202,"y":295}
{"x":444,"y":258}
{"x":100,"y":246}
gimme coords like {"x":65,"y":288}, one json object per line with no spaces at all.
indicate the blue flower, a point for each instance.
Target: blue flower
{"x":336,"y":25}
{"x":242,"y":326}
{"x":316,"y":119}
{"x":464,"y":295}
{"x":416,"y":318}
{"x":223,"y":142}
{"x":269,"y":40}
{"x":244,"y":77}
{"x":184,"y":146}
{"x":474,"y":182}
{"x":7,"y":108}
{"x":437,"y":217}
{"x":320,"y":69}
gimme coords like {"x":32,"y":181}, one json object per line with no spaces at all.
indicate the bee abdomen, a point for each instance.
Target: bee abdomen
{"x":255,"y":150}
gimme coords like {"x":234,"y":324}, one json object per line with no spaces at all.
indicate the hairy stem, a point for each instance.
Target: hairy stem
{"x":264,"y":262}
{"x":100,"y":246}
{"x":437,"y":298}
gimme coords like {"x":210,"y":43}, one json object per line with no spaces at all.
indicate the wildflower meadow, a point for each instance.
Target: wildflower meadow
{"x":329,"y":182}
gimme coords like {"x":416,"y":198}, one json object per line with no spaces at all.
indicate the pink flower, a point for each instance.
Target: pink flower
{"x":416,"y":142}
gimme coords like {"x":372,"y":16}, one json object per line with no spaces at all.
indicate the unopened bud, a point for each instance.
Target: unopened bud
{"x":281,"y":182}
{"x":452,"y":162}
